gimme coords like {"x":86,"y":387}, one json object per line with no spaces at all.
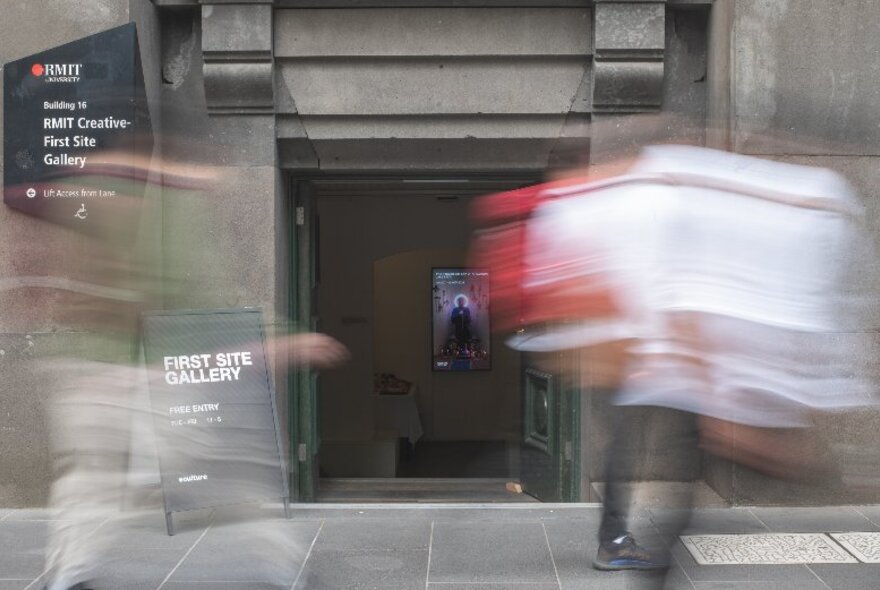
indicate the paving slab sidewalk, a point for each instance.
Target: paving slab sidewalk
{"x":417,"y":546}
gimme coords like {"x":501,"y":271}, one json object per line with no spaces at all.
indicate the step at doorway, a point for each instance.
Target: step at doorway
{"x":420,"y":490}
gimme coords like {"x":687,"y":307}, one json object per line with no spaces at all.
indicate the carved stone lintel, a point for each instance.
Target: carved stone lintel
{"x":239,"y":87}
{"x":629,"y":44}
{"x":627,"y":86}
{"x":237,"y":49}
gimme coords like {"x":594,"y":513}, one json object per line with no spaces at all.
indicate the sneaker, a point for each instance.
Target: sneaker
{"x":79,"y":586}
{"x":623,"y":553}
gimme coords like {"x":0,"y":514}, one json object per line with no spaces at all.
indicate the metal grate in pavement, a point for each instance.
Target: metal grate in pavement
{"x":865,"y":546}
{"x":765,"y":549}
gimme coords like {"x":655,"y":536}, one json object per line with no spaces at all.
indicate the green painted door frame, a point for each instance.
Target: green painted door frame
{"x":551,"y":454}
{"x":302,"y":413}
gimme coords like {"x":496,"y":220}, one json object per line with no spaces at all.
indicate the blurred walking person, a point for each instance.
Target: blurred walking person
{"x":741,"y":298}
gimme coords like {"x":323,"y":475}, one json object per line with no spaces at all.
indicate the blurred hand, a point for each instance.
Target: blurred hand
{"x":310,"y":348}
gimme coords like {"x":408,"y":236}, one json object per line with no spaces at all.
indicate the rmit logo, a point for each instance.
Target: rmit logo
{"x":56,"y":69}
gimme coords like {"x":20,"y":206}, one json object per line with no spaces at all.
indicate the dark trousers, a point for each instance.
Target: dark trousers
{"x":633,"y":455}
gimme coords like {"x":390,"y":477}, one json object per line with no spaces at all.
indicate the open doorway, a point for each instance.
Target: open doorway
{"x":392,"y":427}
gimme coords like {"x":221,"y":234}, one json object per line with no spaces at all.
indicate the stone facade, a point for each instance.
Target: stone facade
{"x":31,"y":324}
{"x":264,"y":88}
{"x":796,"y":82}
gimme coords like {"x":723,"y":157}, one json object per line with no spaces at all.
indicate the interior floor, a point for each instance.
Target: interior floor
{"x":441,"y":472}
{"x":462,"y":459}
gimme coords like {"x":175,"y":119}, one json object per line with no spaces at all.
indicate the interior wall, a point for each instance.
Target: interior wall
{"x":390,"y":332}
{"x":478,"y":405}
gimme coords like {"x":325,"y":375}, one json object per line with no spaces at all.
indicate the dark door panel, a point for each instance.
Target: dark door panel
{"x":550,"y":454}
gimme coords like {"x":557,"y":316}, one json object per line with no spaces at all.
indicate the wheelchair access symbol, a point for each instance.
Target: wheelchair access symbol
{"x":81,"y":213}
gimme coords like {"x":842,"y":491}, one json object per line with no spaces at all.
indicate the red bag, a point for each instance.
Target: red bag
{"x":499,"y":245}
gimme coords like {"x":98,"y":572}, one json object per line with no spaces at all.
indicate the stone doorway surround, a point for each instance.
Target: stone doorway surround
{"x":431,"y":84}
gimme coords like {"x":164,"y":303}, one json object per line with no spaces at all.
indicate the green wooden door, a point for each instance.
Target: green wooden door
{"x":303,"y":416}
{"x":550,"y":455}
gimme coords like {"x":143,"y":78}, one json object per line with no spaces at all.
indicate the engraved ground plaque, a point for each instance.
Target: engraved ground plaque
{"x":768,"y":549}
{"x":865,"y":546}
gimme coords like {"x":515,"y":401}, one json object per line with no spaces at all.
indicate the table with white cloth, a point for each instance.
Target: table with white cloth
{"x":399,"y":413}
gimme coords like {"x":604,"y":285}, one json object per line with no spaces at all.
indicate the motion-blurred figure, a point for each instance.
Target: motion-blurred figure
{"x":740,"y":306}
{"x":94,"y":446}
{"x":100,"y":423}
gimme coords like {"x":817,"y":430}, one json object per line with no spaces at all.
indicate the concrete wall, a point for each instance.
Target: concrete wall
{"x":220,"y":242}
{"x":797,"y":82}
{"x":213,"y":247}
{"x":429,"y":88}
{"x":685,"y":92}
{"x":411,"y":89}
{"x":37,"y":324}
{"x":226,"y":245}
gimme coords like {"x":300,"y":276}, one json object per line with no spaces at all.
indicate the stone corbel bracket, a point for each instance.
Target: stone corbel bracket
{"x":629,"y":43}
{"x":237,"y":49}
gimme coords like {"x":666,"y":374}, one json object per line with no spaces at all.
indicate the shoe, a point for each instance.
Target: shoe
{"x":623,"y":553}
{"x":79,"y":586}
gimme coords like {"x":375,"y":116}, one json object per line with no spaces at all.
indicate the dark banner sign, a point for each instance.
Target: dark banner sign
{"x":214,"y":409}
{"x":77,"y":132}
